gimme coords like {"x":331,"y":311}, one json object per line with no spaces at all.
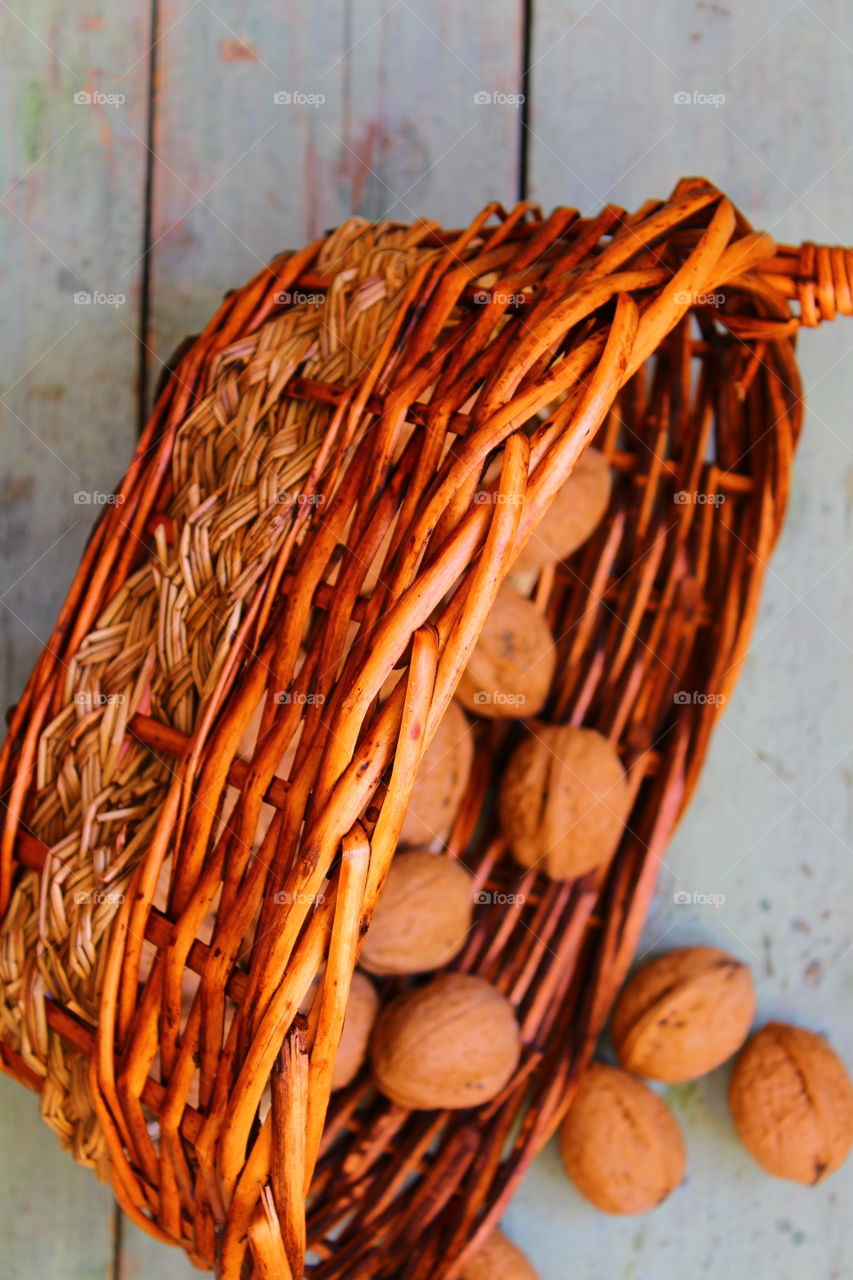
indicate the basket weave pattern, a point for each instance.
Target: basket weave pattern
{"x":304,"y":516}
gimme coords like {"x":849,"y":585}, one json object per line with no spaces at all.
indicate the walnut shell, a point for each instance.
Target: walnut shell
{"x":683,"y":1014}
{"x":440,"y":781}
{"x":453,"y":1043}
{"x":620,"y":1143}
{"x":510,"y":670}
{"x":791,"y":1100}
{"x":563,"y":801}
{"x":422,"y":917}
{"x":361,"y":1011}
{"x":499,"y":1259}
{"x":572,"y":517}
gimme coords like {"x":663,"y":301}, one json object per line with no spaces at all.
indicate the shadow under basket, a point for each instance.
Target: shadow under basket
{"x":336,"y":479}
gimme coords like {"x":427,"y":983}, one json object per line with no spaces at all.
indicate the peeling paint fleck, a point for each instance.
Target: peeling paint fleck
{"x":237,"y":51}
{"x":31,"y":113}
{"x":16,"y":496}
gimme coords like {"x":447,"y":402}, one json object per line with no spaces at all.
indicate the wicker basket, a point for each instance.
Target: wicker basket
{"x":298,"y":521}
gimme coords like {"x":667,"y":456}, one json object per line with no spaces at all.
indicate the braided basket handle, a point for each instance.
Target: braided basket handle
{"x":818,"y":276}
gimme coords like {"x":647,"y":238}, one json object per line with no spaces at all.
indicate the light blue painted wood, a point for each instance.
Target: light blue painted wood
{"x":71,"y":209}
{"x":56,"y":1219}
{"x":376,"y":115}
{"x":605,"y":126}
{"x":143,"y":1257}
{"x":395,"y":131}
{"x":72,"y":222}
{"x":770,"y":825}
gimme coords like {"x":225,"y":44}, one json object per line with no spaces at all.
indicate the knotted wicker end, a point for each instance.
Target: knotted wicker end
{"x":818,"y":276}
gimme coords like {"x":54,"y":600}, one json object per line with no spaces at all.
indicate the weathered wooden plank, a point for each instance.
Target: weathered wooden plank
{"x":769,"y":828}
{"x":71,"y":208}
{"x":143,"y":1257}
{"x":56,"y":1219}
{"x":72,"y":215}
{"x":605,"y":126}
{"x":376,"y":115}
{"x":433,"y":122}
{"x":606,"y":123}
{"x":381,"y":121}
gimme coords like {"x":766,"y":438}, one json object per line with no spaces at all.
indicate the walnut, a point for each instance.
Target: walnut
{"x":563,"y":801}
{"x":422,"y":917}
{"x":620,"y":1143}
{"x":499,"y":1259}
{"x":510,"y":670}
{"x":683,"y":1014}
{"x":572,"y":517}
{"x":451,"y":1044}
{"x":792,"y":1103}
{"x":361,"y":1010}
{"x":441,"y":781}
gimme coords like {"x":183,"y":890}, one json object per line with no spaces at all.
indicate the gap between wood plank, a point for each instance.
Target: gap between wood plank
{"x":147,"y":220}
{"x":117,"y":1262}
{"x":524,"y":114}
{"x":118,"y":1221}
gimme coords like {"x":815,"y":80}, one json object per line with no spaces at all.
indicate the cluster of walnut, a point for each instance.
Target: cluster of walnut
{"x":451,"y":1043}
{"x":683,"y":1014}
{"x":563,"y":803}
{"x":455,"y":1042}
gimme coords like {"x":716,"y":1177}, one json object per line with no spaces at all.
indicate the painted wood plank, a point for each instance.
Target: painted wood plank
{"x":382,"y":121}
{"x":56,"y":1219}
{"x":143,"y":1257}
{"x":71,"y":208}
{"x":601,"y":94}
{"x":376,"y":115}
{"x":769,"y":828}
{"x":606,"y":123}
{"x":433,"y":123}
{"x":72,"y":216}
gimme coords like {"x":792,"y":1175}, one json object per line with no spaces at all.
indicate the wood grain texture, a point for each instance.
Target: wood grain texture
{"x":56,"y":1220}
{"x":238,"y":177}
{"x":72,"y":216}
{"x":382,"y":121}
{"x":770,"y":825}
{"x":376,"y":115}
{"x":606,"y":124}
{"x":143,"y":1258}
{"x":72,"y":187}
